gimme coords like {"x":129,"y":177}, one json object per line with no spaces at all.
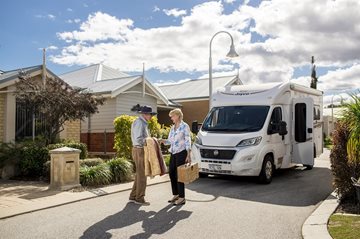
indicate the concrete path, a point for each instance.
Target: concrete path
{"x":19,"y":197}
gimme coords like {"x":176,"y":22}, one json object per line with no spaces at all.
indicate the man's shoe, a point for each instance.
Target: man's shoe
{"x":132,"y":200}
{"x":176,"y":197}
{"x":180,"y":201}
{"x":142,"y":203}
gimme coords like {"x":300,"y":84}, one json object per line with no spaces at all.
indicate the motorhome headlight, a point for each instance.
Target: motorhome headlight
{"x":198,"y":141}
{"x":249,"y":142}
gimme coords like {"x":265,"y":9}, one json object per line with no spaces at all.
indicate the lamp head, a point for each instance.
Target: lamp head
{"x":232,"y":53}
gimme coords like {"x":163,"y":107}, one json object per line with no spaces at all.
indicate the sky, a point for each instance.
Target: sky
{"x":274,"y":39}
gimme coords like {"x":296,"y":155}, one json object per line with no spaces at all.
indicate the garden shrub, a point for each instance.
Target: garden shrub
{"x":9,"y":153}
{"x":91,"y":162}
{"x":122,"y":139}
{"x":32,"y":158}
{"x":95,"y":175}
{"x":154,"y":127}
{"x":71,"y":144}
{"x":167,"y":159}
{"x":342,"y":168}
{"x":121,"y":169}
{"x":46,"y":171}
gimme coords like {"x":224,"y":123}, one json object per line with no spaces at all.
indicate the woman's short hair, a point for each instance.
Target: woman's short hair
{"x":177,"y":112}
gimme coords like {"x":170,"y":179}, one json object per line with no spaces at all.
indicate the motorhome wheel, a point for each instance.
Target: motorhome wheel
{"x":267,"y":170}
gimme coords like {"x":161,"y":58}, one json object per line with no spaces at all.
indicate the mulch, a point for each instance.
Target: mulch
{"x":349,"y":207}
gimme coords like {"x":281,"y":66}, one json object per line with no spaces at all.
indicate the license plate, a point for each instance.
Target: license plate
{"x":216,"y":167}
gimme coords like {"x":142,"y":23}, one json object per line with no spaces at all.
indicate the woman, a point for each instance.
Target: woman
{"x":180,"y":143}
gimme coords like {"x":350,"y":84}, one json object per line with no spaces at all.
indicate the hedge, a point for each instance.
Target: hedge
{"x":122,"y":138}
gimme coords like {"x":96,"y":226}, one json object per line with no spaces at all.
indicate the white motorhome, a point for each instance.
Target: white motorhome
{"x":252,"y":130}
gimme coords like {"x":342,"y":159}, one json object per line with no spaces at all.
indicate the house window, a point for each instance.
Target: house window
{"x":24,"y":123}
{"x":300,"y":122}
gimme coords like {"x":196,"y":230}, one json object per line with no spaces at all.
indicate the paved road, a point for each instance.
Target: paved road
{"x":217,"y":207}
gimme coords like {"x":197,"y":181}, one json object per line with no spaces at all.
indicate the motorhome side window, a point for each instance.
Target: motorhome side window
{"x":276,"y":118}
{"x":317,"y":115}
{"x":300,"y":122}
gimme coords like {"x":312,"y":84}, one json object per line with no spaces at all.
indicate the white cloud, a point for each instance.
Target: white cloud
{"x":174,"y":12}
{"x":96,"y":28}
{"x":51,"y":17}
{"x":48,"y":16}
{"x":69,"y":10}
{"x":229,"y":1}
{"x":51,"y":48}
{"x":76,"y":20}
{"x":292,"y":31}
{"x":156,"y":9}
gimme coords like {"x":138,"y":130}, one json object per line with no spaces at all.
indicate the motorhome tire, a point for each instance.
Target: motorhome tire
{"x":267,"y":170}
{"x":308,"y":167}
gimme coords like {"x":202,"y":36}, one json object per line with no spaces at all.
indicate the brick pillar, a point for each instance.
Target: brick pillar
{"x":71,"y":131}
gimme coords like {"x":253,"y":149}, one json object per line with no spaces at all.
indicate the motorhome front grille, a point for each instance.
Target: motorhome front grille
{"x":205,"y":170}
{"x":215,"y":161}
{"x":217,"y":153}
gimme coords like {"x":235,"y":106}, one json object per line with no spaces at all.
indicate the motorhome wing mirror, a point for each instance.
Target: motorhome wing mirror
{"x":282,"y":128}
{"x":273,"y":128}
{"x":195,"y":127}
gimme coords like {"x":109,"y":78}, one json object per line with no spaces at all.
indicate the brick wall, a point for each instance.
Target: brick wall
{"x":2,"y":116}
{"x":96,"y":141}
{"x":195,"y":110}
{"x":192,"y":110}
{"x":71,"y":131}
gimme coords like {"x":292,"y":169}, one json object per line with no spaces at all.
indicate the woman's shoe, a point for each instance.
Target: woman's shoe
{"x":180,"y":201}
{"x":176,"y":197}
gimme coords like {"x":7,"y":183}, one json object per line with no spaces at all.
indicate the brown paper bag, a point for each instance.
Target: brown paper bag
{"x":188,"y":173}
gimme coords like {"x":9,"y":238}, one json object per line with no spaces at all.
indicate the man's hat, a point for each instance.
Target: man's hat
{"x":146,"y":110}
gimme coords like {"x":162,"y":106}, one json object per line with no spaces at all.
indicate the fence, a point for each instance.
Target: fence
{"x":99,"y":141}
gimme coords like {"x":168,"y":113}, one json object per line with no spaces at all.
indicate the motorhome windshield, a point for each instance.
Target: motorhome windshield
{"x":236,"y":118}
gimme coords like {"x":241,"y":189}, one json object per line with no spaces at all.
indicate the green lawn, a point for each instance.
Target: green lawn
{"x":344,"y":227}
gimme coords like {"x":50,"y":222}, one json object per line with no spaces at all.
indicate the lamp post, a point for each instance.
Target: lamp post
{"x":231,"y":53}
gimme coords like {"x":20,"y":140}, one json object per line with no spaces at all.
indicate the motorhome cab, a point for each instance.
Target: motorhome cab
{"x":253,"y":130}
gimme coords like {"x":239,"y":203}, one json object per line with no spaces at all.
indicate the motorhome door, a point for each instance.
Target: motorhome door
{"x":303,"y":146}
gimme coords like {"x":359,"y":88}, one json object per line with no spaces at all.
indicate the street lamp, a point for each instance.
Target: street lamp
{"x":231,"y":53}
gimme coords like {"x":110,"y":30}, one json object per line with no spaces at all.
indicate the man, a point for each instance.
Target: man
{"x":139,"y":132}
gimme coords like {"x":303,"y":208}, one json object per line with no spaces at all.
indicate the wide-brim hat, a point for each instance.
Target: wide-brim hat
{"x":146,"y":110}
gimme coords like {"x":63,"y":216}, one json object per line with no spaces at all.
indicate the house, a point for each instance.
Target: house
{"x":330,"y":117}
{"x":122,"y":92}
{"x":193,"y":96}
{"x":16,"y":122}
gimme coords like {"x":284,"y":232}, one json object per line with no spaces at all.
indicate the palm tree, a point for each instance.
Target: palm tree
{"x":351,"y":117}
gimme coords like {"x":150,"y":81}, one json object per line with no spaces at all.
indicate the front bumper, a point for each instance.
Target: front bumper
{"x":244,"y":162}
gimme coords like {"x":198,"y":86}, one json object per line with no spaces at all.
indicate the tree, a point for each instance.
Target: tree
{"x":351,"y":117}
{"x":56,"y":101}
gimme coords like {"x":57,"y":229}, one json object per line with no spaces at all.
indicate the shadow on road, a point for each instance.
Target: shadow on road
{"x":152,"y":222}
{"x":290,"y":187}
